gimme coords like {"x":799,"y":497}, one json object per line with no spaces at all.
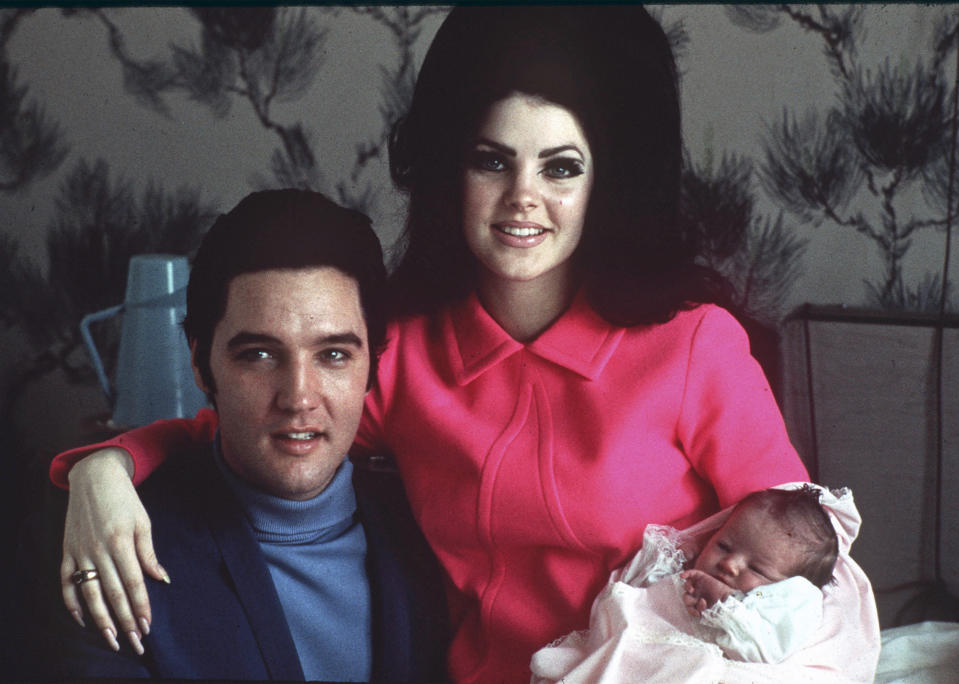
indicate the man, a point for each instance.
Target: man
{"x":281,"y":567}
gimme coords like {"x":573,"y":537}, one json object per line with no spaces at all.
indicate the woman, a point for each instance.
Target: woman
{"x":552,"y":382}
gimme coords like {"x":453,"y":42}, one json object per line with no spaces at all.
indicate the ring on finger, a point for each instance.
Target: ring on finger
{"x":81,"y":576}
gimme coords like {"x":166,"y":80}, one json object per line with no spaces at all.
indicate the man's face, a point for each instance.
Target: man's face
{"x":290,"y":361}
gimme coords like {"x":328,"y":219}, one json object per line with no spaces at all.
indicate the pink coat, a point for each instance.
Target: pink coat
{"x":534,"y":469}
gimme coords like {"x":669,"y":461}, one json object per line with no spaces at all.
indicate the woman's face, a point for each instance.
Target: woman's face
{"x":526,"y":186}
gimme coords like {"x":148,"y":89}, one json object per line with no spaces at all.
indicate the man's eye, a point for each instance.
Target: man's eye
{"x":336,"y":356}
{"x":487,"y":161}
{"x":254,"y":355}
{"x":565,"y":168}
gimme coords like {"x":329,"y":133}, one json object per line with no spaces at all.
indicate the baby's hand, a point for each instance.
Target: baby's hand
{"x":702,"y":591}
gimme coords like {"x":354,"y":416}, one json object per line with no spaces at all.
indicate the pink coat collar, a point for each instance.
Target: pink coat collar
{"x":580,"y":341}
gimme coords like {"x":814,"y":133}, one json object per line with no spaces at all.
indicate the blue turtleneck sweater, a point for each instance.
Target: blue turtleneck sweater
{"x":316,"y":553}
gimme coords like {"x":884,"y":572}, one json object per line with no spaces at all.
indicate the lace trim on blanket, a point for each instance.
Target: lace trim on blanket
{"x":576,"y":637}
{"x":664,"y":544}
{"x":671,"y":637}
{"x":669,"y":540}
{"x":714,"y":616}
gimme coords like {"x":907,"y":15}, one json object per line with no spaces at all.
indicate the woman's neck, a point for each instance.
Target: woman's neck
{"x":526,"y":309}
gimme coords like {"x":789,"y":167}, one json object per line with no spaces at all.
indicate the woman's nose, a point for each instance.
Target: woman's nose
{"x":299,"y":388}
{"x":522,"y":192}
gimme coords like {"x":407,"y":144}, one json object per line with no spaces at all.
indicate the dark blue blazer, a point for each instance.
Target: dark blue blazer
{"x":221,"y":618}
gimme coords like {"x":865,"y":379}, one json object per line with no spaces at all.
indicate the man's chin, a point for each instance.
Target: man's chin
{"x":300,"y":483}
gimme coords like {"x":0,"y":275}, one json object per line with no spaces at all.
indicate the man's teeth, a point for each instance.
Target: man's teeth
{"x":300,"y":435}
{"x":521,"y":232}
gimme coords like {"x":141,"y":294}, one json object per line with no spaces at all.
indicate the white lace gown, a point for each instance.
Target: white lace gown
{"x":790,"y":631}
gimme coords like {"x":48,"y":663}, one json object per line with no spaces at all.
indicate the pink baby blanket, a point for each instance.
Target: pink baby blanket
{"x":641,"y":633}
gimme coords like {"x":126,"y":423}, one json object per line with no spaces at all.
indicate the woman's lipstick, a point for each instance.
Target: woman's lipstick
{"x":520,"y":234}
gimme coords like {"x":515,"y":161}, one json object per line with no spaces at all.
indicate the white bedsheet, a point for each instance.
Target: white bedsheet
{"x":923,"y":653}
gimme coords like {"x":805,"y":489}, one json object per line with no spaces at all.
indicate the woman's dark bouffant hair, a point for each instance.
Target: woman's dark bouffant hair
{"x":613,"y":68}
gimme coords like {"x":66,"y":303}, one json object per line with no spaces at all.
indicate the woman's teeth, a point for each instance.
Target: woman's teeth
{"x":521,"y":232}
{"x":300,"y":435}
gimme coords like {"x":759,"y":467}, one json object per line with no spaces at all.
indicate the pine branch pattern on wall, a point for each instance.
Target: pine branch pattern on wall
{"x":873,"y":163}
{"x":858,"y":164}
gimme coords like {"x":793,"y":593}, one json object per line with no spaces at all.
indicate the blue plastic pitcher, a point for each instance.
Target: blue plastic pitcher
{"x":153,"y":374}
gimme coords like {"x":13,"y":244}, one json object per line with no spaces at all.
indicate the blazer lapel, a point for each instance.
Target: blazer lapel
{"x":410,"y":618}
{"x":245,"y":568}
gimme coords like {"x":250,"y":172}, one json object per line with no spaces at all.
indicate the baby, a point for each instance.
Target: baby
{"x":752,"y":594}
{"x":777,"y":538}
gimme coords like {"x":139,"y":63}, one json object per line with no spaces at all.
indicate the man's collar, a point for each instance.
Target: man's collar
{"x":272,"y":516}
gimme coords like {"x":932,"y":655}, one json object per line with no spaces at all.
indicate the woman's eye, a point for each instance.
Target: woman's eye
{"x":487,"y":161}
{"x":723,"y":546}
{"x":564,"y":168}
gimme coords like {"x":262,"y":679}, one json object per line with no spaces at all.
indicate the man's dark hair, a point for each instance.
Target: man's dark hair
{"x":612,"y":67}
{"x":804,"y":519}
{"x":283,"y":229}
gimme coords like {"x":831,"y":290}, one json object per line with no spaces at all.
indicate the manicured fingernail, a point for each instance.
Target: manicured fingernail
{"x":166,"y":577}
{"x":78,"y":617}
{"x":111,"y":639}
{"x":144,"y":625}
{"x":135,"y":640}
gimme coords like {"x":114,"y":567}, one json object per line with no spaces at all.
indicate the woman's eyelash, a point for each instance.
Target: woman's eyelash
{"x":558,"y":168}
{"x":566,"y":167}
{"x":485,"y":160}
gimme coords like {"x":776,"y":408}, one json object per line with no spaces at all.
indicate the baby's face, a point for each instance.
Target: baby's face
{"x":751,"y":549}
